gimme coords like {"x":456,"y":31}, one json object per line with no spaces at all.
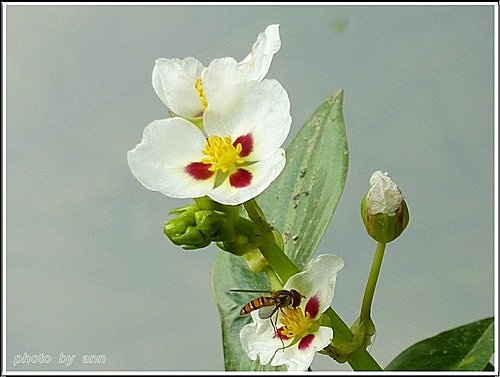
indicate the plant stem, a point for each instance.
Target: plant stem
{"x":281,"y":264}
{"x":274,"y":280}
{"x":372,"y":283}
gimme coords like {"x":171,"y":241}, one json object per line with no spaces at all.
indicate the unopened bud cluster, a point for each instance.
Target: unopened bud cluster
{"x":198,"y":225}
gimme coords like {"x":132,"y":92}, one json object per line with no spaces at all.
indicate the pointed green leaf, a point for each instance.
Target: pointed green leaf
{"x":231,"y":272}
{"x":465,"y":348}
{"x":301,"y":202}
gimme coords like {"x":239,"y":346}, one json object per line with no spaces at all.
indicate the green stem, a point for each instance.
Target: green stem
{"x":274,"y":280}
{"x":285,"y":269}
{"x":283,"y":266}
{"x":360,"y":360}
{"x":372,"y":283}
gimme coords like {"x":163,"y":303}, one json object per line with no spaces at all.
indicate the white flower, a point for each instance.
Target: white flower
{"x":298,"y":329}
{"x":384,"y":195}
{"x":186,"y":87}
{"x":234,"y":159}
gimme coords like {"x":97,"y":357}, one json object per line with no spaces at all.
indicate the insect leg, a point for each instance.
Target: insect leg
{"x":276,"y":332}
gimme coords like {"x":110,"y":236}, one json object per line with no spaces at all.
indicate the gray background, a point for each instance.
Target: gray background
{"x":89,"y":270}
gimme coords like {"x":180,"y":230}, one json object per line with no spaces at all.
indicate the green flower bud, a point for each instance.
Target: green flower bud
{"x":183,"y":231}
{"x":238,"y":246}
{"x":238,"y":237}
{"x":383,"y":209}
{"x":196,"y":226}
{"x":209,"y":222}
{"x":192,"y":239}
{"x":179,"y":224}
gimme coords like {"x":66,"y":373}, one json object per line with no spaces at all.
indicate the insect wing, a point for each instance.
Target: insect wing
{"x":249,"y":291}
{"x":267,"y":311}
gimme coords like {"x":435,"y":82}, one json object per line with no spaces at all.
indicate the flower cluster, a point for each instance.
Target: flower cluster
{"x":223,"y":141}
{"x":225,"y":138}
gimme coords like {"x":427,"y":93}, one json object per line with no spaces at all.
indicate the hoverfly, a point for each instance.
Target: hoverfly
{"x":272,"y":304}
{"x":268,"y":305}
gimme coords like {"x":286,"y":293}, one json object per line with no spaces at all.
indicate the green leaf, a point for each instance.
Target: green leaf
{"x":465,"y":348}
{"x":231,"y":272}
{"x":301,"y":202}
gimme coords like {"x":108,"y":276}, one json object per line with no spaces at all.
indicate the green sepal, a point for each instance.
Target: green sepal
{"x":384,"y":228}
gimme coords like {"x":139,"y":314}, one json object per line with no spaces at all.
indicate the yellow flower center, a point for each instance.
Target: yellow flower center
{"x":295,"y":323}
{"x":222,"y":154}
{"x":198,"y":85}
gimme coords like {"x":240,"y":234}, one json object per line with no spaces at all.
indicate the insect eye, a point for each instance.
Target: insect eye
{"x":296,"y":298}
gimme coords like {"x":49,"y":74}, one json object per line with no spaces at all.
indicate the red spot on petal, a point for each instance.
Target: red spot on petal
{"x":199,"y":170}
{"x":279,"y":333}
{"x":246,"y":142}
{"x":305,"y":342}
{"x":240,"y":178}
{"x":312,"y":306}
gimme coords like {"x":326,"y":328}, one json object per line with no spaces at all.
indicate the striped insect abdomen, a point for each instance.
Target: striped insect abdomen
{"x":256,"y":304}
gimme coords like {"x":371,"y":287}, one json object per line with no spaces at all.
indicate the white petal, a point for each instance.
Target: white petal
{"x":263,"y":172}
{"x":220,"y":74}
{"x":260,"y":109}
{"x":173,"y":82}
{"x":384,"y":195}
{"x":258,"y":340}
{"x":257,"y":63}
{"x":317,"y":279}
{"x":167,"y":147}
{"x":300,"y":360}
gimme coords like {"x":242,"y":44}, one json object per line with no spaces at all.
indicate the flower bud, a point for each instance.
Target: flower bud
{"x":185,"y":218}
{"x":238,"y":237}
{"x":383,"y":209}
{"x":197,"y":225}
{"x":191,"y":239}
{"x":208,"y":222}
{"x":192,"y":228}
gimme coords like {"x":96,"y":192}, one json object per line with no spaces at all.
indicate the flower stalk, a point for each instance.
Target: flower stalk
{"x":363,"y":328}
{"x":274,"y":255}
{"x":372,"y":283}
